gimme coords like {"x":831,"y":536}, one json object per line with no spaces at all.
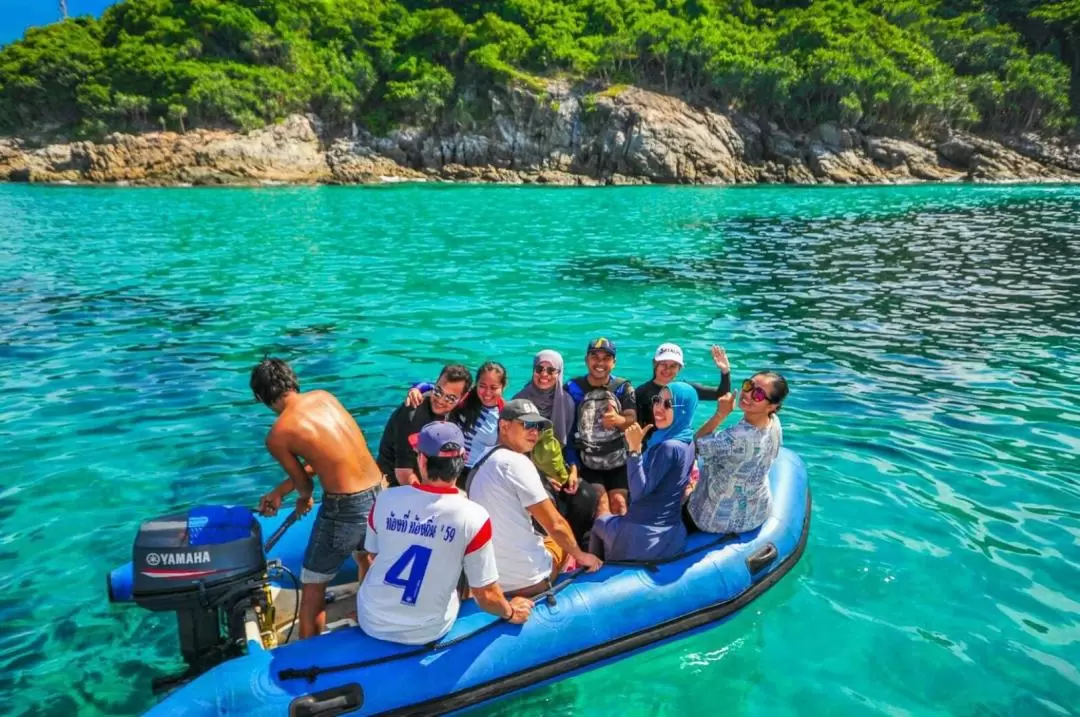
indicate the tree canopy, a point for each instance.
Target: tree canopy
{"x":897,"y":65}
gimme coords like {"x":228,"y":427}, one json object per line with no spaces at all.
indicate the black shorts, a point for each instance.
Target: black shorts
{"x":611,"y":479}
{"x":339,"y":531}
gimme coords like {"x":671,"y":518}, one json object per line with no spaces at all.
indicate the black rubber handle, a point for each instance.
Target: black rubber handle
{"x":336,"y":701}
{"x":276,"y":536}
{"x":762,"y":558}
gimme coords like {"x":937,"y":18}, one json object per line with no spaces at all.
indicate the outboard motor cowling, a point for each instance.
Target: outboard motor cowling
{"x":206,"y":564}
{"x":195,"y":556}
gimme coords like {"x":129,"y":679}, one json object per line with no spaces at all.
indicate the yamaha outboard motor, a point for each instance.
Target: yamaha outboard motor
{"x":207,"y":565}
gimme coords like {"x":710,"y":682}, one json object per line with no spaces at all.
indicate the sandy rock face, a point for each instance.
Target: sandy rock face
{"x":287,"y":152}
{"x":565,"y":135}
{"x":988,"y":160}
{"x":641,"y":133}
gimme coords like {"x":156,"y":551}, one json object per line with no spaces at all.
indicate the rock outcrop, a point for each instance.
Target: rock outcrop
{"x":288,"y":152}
{"x":564,"y":136}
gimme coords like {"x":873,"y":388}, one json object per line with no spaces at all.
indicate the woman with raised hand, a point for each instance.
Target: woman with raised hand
{"x":652,"y":528}
{"x":732,"y":495}
{"x":575,"y":501}
{"x":667,"y":363}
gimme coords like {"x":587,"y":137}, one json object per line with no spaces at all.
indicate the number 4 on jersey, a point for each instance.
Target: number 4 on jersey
{"x":414,"y":562}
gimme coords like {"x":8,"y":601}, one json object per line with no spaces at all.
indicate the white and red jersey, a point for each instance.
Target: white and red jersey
{"x":423,"y":536}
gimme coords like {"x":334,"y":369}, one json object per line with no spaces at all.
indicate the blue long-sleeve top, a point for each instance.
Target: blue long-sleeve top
{"x":570,"y":453}
{"x":652,"y":527}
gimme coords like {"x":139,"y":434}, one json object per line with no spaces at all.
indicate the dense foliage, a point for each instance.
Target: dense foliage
{"x":885,"y":64}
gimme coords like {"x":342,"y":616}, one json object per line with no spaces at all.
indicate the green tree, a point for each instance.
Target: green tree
{"x":1064,"y":18}
{"x":177,"y":114}
{"x":420,"y":89}
{"x":42,"y":78}
{"x":888,"y":65}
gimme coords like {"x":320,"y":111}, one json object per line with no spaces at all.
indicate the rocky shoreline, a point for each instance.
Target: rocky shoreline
{"x":565,"y":136}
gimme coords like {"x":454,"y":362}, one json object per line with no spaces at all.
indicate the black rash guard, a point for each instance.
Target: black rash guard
{"x":650,"y":388}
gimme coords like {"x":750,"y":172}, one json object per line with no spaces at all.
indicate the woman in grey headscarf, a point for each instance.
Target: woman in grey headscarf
{"x":574,"y":500}
{"x":545,"y":389}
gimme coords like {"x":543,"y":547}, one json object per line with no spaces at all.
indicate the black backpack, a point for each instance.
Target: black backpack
{"x":601,"y":448}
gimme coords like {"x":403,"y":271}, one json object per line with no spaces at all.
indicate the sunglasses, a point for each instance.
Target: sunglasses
{"x":531,"y":425}
{"x":756,"y":392}
{"x":549,"y":370}
{"x":661,"y":401}
{"x":441,"y":394}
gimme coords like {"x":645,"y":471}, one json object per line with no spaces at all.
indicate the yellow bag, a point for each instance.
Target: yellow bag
{"x":547,"y":455}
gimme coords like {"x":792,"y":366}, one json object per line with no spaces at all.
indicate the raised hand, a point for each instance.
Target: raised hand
{"x":719,"y":357}
{"x":612,"y":419}
{"x":635,"y":436}
{"x":725,"y":404}
{"x":414,"y":398}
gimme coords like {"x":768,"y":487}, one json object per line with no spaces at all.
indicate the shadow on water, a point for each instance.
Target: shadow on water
{"x":33,"y":313}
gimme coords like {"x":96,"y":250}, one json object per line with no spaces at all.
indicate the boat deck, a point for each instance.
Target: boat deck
{"x":340,"y":609}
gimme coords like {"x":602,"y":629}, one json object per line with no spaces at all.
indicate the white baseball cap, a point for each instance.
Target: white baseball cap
{"x":669,"y":352}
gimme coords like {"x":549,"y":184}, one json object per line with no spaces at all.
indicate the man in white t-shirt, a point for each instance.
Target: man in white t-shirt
{"x":509,"y":487}
{"x":422,"y":536}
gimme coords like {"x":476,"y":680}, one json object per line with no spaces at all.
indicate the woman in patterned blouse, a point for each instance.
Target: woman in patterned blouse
{"x":732,"y":495}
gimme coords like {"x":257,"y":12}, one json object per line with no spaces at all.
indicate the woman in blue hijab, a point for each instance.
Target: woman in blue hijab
{"x":652,"y":528}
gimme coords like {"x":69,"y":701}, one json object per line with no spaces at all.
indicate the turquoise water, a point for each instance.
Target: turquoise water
{"x":931,"y":336}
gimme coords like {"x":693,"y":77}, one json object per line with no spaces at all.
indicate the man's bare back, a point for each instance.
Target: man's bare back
{"x":316,"y":427}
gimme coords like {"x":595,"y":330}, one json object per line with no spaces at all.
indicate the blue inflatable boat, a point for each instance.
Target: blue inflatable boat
{"x":207,"y":566}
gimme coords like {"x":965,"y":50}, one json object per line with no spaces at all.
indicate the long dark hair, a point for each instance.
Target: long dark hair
{"x":779,"y":388}
{"x":467,"y":413}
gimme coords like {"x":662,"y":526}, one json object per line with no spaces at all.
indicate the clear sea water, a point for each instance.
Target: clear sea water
{"x":931,"y":336}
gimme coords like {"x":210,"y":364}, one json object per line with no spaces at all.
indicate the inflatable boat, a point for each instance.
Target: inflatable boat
{"x":208,"y":566}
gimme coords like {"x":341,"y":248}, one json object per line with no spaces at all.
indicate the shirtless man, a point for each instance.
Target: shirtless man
{"x":315,"y":427}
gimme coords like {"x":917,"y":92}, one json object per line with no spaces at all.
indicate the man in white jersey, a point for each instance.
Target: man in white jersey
{"x":508,"y":486}
{"x":421,"y":537}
